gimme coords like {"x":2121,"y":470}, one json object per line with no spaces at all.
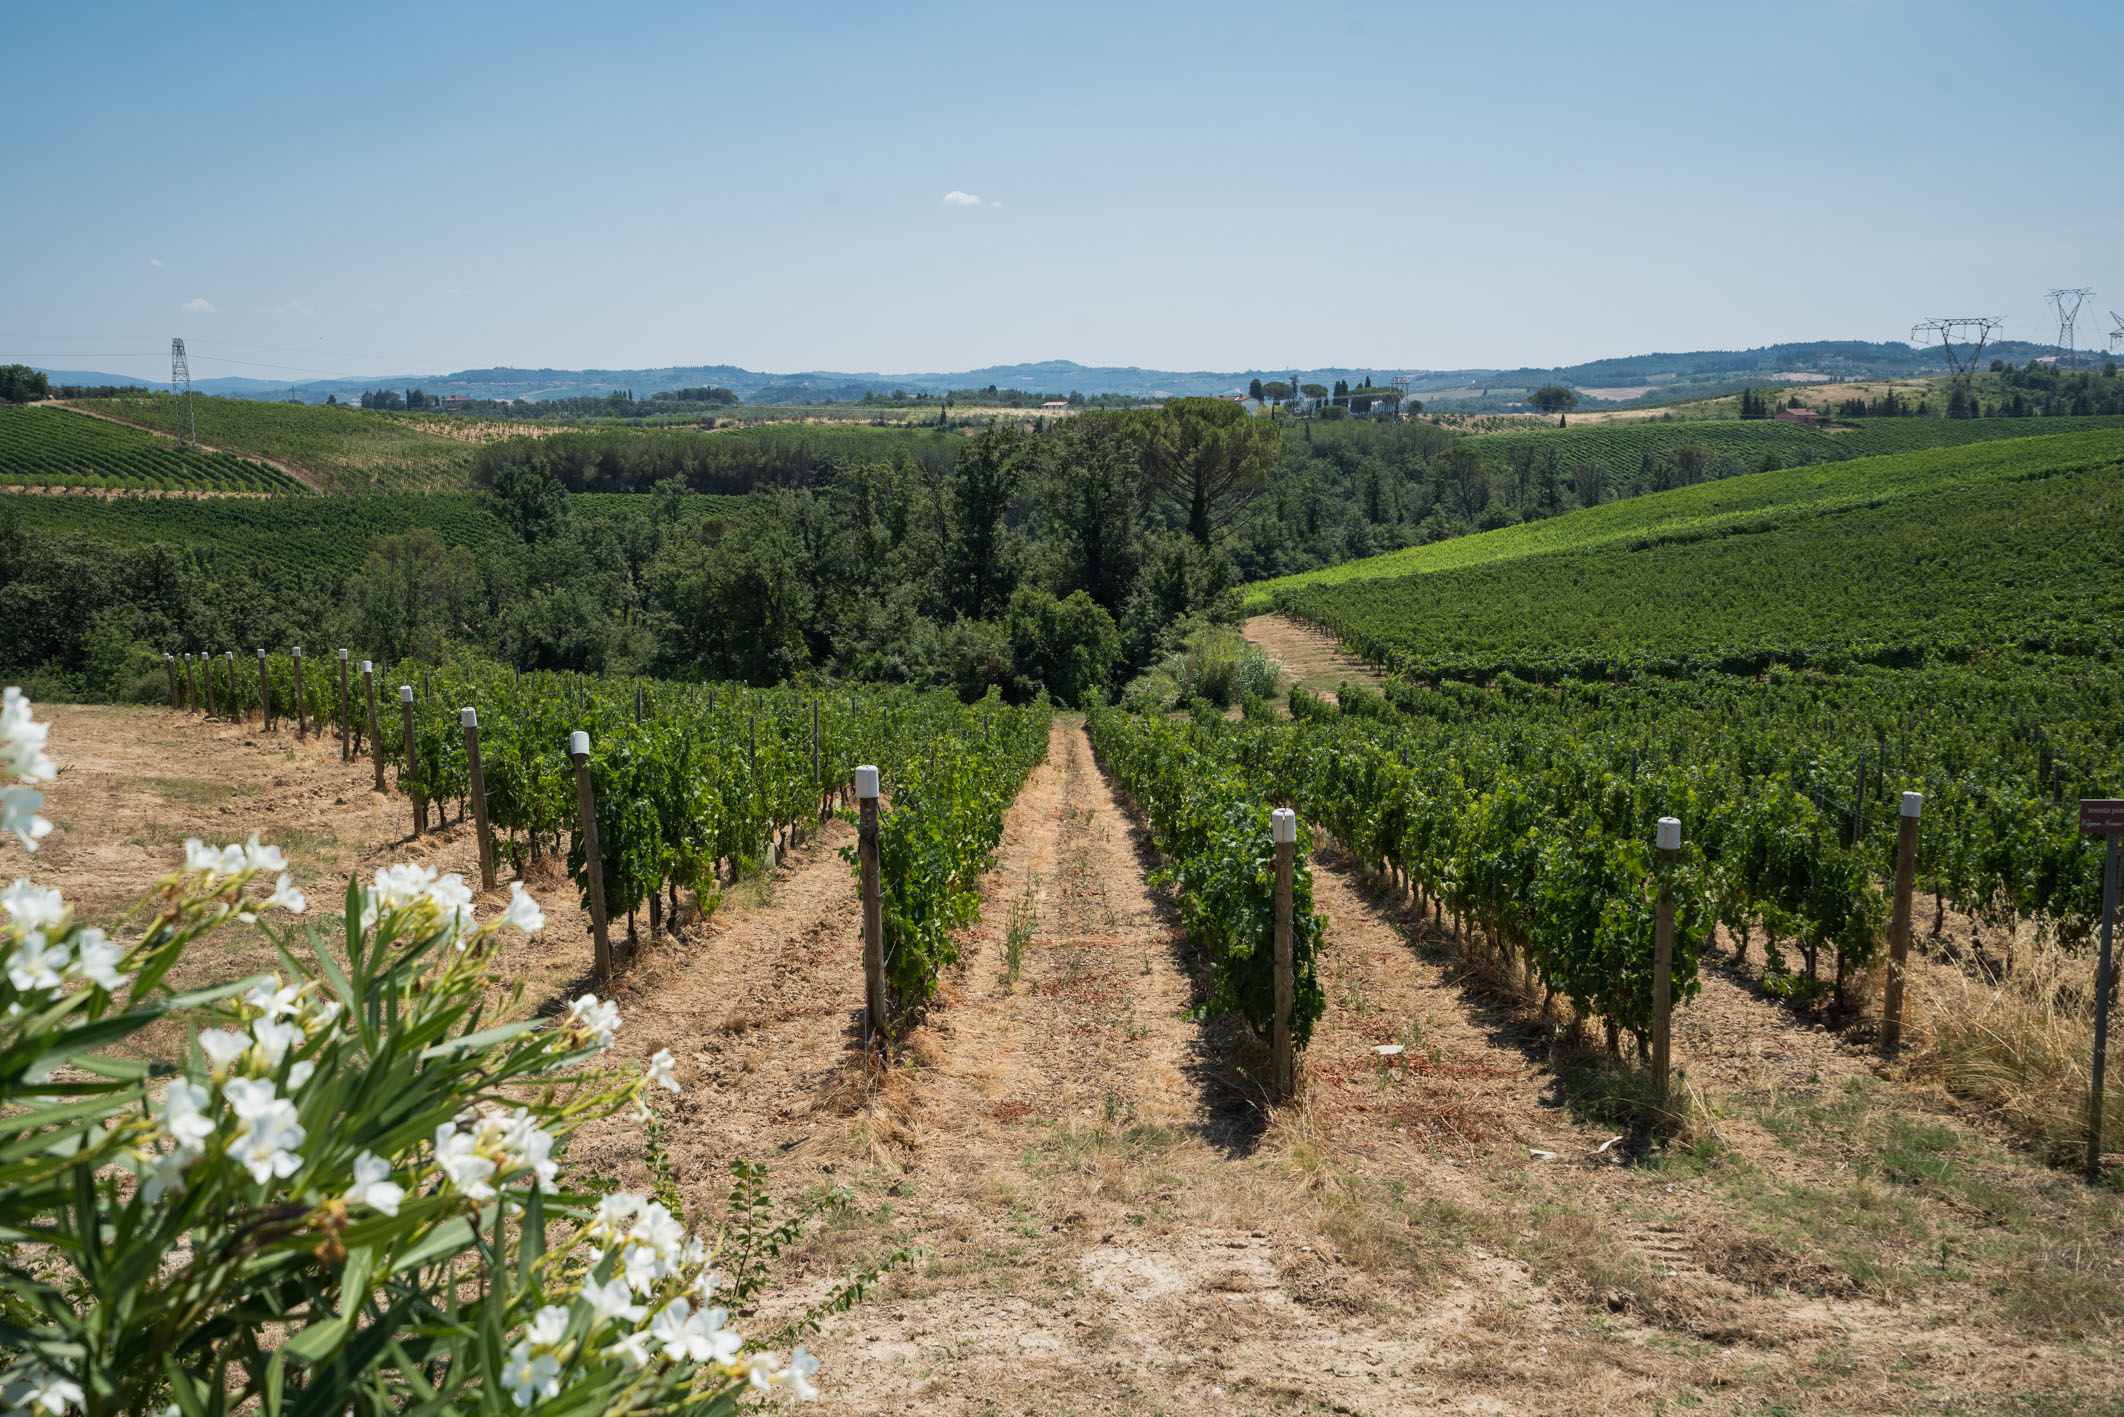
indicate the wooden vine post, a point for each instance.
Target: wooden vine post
{"x":235,"y":710}
{"x":412,"y":775}
{"x":191,"y":685}
{"x":265,"y":697}
{"x":169,"y":670}
{"x":1906,"y":845}
{"x":477,"y":786}
{"x":368,"y":688}
{"x":206,"y":673}
{"x":1283,"y":831}
{"x":2105,"y":816}
{"x":1668,"y":840}
{"x":346,"y":714}
{"x":593,"y":861}
{"x":818,"y":783}
{"x":302,"y":714}
{"x":866,"y":786}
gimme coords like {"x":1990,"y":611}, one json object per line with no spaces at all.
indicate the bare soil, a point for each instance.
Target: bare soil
{"x":1311,"y":658}
{"x":1110,"y":1215}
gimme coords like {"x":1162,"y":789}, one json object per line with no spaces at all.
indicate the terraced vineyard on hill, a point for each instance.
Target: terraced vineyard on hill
{"x":347,"y":449}
{"x":53,"y":448}
{"x":1949,"y":554}
{"x":1718,"y":507}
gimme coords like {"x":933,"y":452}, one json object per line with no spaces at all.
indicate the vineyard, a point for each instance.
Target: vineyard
{"x":1723,"y":507}
{"x":1991,"y":549}
{"x":52,"y":449}
{"x":691,"y":784}
{"x":346,"y":449}
{"x":1625,"y":450}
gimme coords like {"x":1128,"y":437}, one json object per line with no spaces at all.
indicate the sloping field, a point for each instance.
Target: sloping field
{"x":1621,"y":449}
{"x":53,"y":448}
{"x":1890,"y":560}
{"x":346,"y":449}
{"x":1715,"y":508}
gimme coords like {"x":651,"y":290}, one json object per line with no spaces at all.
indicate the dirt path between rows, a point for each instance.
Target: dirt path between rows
{"x":1310,"y":657}
{"x":1111,"y":1219}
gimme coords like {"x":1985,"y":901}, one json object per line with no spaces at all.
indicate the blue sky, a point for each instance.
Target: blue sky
{"x":346,"y":190}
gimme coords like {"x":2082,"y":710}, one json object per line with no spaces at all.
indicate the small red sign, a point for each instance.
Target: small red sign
{"x":2102,"y":815}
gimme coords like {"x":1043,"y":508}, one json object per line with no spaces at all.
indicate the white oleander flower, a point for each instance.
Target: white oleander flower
{"x":184,"y":1114}
{"x":223,"y":1047}
{"x":660,"y":1070}
{"x":797,"y":1376}
{"x":34,"y":1388}
{"x":612,"y":1300}
{"x":548,"y":1327}
{"x":461,"y":1163}
{"x":632,"y":1349}
{"x":259,"y":857}
{"x":373,"y":1186}
{"x":168,"y":1175}
{"x":669,"y":1330}
{"x":18,"y":815}
{"x":275,"y":1039}
{"x":286,"y":897}
{"x":760,"y":1370}
{"x":36,"y":963}
{"x":96,"y":960}
{"x":249,"y":1097}
{"x":530,"y":1378}
{"x":22,"y":741}
{"x":30,"y":907}
{"x":300,"y":1073}
{"x":275,"y":999}
{"x":523,"y":912}
{"x":599,"y":1021}
{"x":266,"y":1147}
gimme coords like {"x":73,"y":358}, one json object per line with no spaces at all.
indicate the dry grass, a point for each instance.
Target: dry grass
{"x":2023,"y":1045}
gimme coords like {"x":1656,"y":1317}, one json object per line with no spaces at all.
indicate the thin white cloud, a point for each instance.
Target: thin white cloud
{"x":961,"y":199}
{"x":453,"y":290}
{"x":155,"y":261}
{"x":293,"y":307}
{"x":199,"y":307}
{"x":995,"y":204}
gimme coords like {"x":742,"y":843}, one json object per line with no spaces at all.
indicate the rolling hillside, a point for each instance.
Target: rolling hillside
{"x":1722,"y":504}
{"x":1898,"y":559}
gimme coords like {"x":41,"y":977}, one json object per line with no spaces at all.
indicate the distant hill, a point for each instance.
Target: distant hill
{"x":1662,"y":376}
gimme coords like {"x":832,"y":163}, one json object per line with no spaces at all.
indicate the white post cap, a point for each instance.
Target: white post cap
{"x":167,"y":655}
{"x":578,"y":744}
{"x":1913,"y":803}
{"x":231,"y":653}
{"x":866,"y":778}
{"x":342,"y":654}
{"x":469,"y":717}
{"x":1283,"y":826}
{"x":405,"y":693}
{"x":1670,"y":833}
{"x":368,"y":666}
{"x":261,"y":654}
{"x":298,"y":651}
